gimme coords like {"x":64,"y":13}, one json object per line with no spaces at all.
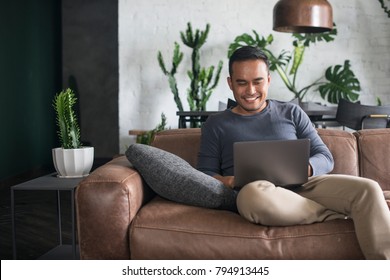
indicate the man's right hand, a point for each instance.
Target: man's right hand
{"x":228,"y":181}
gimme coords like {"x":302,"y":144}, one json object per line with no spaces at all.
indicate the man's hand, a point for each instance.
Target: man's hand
{"x":387,"y":197}
{"x":228,"y":181}
{"x":310,"y":171}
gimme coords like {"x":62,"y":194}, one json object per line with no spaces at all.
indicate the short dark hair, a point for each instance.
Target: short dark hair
{"x":247,"y":53}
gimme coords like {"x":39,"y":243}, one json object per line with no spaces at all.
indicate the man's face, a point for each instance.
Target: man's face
{"x":249,"y":82}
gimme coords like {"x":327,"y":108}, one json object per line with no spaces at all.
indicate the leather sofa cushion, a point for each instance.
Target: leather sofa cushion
{"x":343,"y":147}
{"x":168,"y":230}
{"x":184,"y":143}
{"x":374,"y":155}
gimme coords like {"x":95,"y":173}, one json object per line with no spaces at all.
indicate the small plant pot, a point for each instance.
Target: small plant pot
{"x":73,"y":163}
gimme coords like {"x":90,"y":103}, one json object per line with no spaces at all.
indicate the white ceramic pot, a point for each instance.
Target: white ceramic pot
{"x":73,"y":163}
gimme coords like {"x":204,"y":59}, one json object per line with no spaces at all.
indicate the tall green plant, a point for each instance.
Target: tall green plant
{"x":176,"y":59}
{"x":339,"y":83}
{"x":384,"y":7}
{"x":68,"y":128}
{"x":202,"y":80}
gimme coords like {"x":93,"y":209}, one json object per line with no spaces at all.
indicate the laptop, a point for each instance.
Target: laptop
{"x":282,"y":162}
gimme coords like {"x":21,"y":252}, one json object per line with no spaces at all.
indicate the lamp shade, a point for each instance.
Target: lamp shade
{"x":303,"y":16}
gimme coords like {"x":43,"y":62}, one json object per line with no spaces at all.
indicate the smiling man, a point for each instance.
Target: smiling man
{"x":249,"y":85}
{"x":324,"y":197}
{"x":255,"y":118}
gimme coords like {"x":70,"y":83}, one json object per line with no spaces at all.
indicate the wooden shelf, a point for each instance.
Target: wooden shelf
{"x":137,"y":132}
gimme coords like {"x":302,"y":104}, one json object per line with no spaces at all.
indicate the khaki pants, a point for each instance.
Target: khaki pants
{"x":323,"y":198}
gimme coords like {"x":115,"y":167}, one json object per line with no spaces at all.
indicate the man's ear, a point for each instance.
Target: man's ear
{"x":229,"y":81}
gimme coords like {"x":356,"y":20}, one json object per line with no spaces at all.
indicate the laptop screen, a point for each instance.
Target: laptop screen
{"x":282,"y":162}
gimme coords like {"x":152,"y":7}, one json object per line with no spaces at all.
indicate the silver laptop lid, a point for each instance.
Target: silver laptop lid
{"x":282,"y":162}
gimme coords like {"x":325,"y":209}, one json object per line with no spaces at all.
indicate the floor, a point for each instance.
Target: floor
{"x":36,"y":220}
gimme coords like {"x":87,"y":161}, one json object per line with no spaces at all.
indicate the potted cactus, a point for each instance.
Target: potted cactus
{"x":71,"y":160}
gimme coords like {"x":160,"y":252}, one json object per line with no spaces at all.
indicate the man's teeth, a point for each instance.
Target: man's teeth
{"x":251,"y":98}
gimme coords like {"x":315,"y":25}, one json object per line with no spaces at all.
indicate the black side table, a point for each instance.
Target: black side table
{"x":49,"y":183}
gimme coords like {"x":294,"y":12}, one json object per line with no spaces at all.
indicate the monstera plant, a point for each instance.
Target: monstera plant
{"x":338,"y":81}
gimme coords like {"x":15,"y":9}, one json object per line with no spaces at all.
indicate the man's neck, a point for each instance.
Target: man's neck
{"x":241,"y":111}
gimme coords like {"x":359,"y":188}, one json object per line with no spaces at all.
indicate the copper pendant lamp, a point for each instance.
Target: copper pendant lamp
{"x":303,"y":16}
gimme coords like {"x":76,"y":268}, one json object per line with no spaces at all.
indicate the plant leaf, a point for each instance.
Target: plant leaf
{"x":342,"y":84}
{"x":308,"y":38}
{"x":248,"y":40}
{"x":299,"y":51}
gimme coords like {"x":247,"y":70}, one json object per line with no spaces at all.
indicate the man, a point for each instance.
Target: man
{"x":323,"y":197}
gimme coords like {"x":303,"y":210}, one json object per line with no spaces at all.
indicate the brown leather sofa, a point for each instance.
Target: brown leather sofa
{"x":119,"y":217}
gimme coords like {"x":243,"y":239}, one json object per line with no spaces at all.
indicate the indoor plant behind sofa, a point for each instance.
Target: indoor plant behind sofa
{"x":119,"y":217}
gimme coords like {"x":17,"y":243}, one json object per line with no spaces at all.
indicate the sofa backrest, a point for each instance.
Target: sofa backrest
{"x":364,"y":153}
{"x":343,"y":147}
{"x":183,"y":142}
{"x":374,"y":155}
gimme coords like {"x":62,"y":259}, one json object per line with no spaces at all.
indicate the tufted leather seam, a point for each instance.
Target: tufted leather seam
{"x":246,"y":236}
{"x":90,"y":181}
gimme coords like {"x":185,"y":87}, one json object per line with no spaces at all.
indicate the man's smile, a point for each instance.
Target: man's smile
{"x":251,"y":98}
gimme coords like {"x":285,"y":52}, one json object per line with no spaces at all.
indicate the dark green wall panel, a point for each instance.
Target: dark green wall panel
{"x":30,"y":75}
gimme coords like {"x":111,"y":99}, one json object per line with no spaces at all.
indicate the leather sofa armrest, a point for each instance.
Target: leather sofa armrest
{"x":106,"y":203}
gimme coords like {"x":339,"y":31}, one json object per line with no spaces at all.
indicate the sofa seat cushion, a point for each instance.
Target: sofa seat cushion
{"x":167,"y":230}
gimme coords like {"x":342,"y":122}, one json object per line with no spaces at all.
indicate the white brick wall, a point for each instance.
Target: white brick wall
{"x":145,"y":27}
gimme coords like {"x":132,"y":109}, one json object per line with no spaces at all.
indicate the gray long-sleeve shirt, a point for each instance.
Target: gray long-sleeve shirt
{"x":279,"y":120}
